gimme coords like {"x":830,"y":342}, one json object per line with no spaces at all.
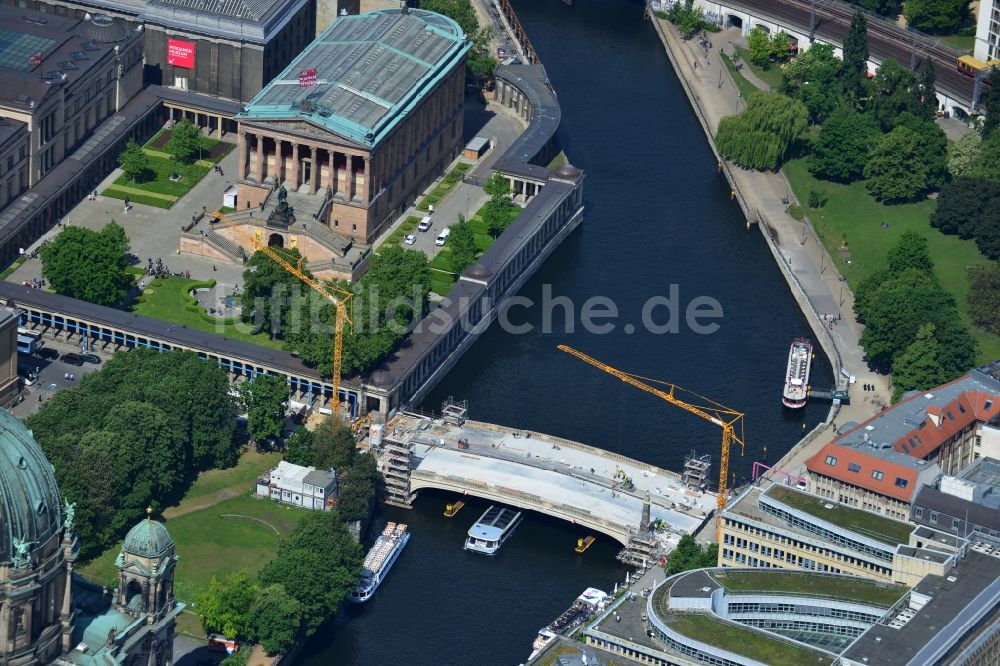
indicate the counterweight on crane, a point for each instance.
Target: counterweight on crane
{"x":728,"y":419}
{"x":329,"y":293}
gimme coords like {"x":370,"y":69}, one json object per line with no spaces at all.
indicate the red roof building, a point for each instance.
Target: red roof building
{"x":880,"y":464}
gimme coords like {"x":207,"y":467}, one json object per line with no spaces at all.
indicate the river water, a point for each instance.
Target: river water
{"x":657,"y":215}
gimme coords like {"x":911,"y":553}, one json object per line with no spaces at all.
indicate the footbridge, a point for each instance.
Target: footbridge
{"x":596,"y":489}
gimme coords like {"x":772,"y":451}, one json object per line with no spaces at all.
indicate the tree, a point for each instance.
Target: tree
{"x":88,"y":265}
{"x":984,"y":297}
{"x":928,"y":91}
{"x":499,"y":210}
{"x":688,"y":19}
{"x":759,"y":46}
{"x":987,"y":164}
{"x":896,"y":171}
{"x":186,"y":143}
{"x":910,"y":251}
{"x":988,"y":237}
{"x":918,"y":368}
{"x":840,"y":152}
{"x":333,"y":446}
{"x":277,"y":619}
{"x":264,"y":399}
{"x":991,"y":104}
{"x":760,"y":136}
{"x":855,"y":69}
{"x":298,"y":447}
{"x":780,"y":46}
{"x":270,"y":293}
{"x":480,"y":63}
{"x":689,"y":555}
{"x":134,"y":162}
{"x":933,"y":145}
{"x":964,"y":204}
{"x":813,"y":79}
{"x":357,"y":488}
{"x":895,"y":91}
{"x":226,"y":607}
{"x":883,"y":7}
{"x":940,"y":16}
{"x":965,"y":154}
{"x":463,"y":245}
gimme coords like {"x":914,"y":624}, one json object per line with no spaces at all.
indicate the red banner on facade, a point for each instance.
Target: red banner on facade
{"x":307,"y":77}
{"x":180,"y":54}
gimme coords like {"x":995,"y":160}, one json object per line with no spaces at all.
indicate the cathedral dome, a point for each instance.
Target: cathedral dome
{"x":30,"y":509}
{"x":149,"y":539}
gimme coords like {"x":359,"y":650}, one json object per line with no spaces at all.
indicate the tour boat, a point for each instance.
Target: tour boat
{"x":492,"y":529}
{"x":379,"y":560}
{"x":797,"y":374}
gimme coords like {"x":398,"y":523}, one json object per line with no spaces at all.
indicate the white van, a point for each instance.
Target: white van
{"x":443,"y":237}
{"x":425,"y":224}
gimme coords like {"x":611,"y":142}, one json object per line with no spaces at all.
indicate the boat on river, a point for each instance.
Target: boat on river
{"x":492,"y":530}
{"x":797,"y":374}
{"x":379,"y":561}
{"x":590,"y":602}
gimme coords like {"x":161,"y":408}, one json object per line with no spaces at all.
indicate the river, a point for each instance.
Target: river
{"x":657,"y":215}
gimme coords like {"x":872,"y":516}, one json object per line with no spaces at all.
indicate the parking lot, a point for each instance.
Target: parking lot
{"x":53,"y":375}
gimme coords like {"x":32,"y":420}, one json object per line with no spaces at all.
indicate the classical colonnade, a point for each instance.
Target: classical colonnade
{"x":297,"y":163}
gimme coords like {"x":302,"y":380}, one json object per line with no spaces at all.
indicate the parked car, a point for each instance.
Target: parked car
{"x":92,"y":358}
{"x":425,"y":224}
{"x":410,"y":240}
{"x":47,"y":353}
{"x":72,"y":359}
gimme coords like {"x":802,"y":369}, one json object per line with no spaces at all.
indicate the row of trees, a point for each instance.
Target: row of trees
{"x":316,"y":567}
{"x":186,"y":144}
{"x":135,"y":434}
{"x":690,"y":555}
{"x":88,"y":265}
{"x":764,"y":49}
{"x":332,"y":446}
{"x":480,"y":62}
{"x":936,"y":16}
{"x":911,"y":322}
{"x":385,"y":303}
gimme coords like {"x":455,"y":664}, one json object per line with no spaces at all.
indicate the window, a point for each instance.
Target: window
{"x":918,"y":512}
{"x":831,"y":461}
{"x":961,"y":408}
{"x":853,"y":467}
{"x":934,"y":516}
{"x":901,"y":482}
{"x":877,"y":475}
{"x":955,"y":522}
{"x":988,"y":405}
{"x":951,"y":417}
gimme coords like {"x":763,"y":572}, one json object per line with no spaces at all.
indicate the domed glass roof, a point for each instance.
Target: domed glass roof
{"x":30,"y":509}
{"x":148,"y":539}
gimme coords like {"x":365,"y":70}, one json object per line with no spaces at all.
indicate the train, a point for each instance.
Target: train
{"x":970,"y":66}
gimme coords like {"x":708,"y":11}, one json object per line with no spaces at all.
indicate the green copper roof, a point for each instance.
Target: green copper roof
{"x":30,"y":509}
{"x":148,"y":539}
{"x":372,"y":69}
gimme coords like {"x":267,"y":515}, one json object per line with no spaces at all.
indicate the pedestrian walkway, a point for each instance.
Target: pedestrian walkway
{"x":815,"y":281}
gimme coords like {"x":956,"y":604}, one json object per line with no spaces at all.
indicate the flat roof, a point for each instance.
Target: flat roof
{"x":833,"y":586}
{"x":955,"y":603}
{"x":372,"y":69}
{"x":864,"y":523}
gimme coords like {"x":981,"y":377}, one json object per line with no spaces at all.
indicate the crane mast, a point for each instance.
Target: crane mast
{"x":339,"y":303}
{"x":730,"y":420}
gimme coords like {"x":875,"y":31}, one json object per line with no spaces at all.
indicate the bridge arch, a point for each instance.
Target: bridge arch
{"x":422,"y":479}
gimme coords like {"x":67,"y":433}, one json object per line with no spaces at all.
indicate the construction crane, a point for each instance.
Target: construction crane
{"x":329,"y":293}
{"x":728,"y":419}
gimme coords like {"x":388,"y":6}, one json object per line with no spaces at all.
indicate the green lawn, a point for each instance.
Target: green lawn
{"x":210,"y":545}
{"x":742,"y":84}
{"x":238,"y":478}
{"x":961,"y":42}
{"x":771,"y":75}
{"x":169,"y":300}
{"x":851,"y":214}
{"x":442,"y":278}
{"x":871,"y":525}
{"x":743,"y":641}
{"x":844,"y":588}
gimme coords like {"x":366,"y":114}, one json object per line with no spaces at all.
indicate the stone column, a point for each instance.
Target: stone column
{"x":295,"y":166}
{"x":366,"y":193}
{"x":332,"y":155}
{"x":349,"y":179}
{"x":260,"y":157}
{"x":218,"y":127}
{"x":243,"y":156}
{"x":314,"y":173}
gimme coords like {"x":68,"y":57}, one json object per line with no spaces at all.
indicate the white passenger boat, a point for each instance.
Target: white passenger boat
{"x":492,"y":529}
{"x":797,"y":374}
{"x":379,"y":560}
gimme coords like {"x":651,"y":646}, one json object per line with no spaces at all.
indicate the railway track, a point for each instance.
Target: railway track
{"x":885,"y":39}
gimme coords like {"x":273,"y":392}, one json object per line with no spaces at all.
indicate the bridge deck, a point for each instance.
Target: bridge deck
{"x":555,"y":470}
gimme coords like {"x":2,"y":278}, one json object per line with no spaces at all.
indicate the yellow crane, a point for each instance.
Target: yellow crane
{"x":728,"y":419}
{"x":330,"y":293}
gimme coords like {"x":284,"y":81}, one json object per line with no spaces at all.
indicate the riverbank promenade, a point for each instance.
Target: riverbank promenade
{"x":805,"y":263}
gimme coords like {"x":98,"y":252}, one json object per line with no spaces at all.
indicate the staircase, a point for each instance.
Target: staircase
{"x":320,"y":233}
{"x":225,"y":245}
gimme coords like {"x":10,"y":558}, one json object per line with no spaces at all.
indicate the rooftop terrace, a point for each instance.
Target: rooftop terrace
{"x":836,"y":587}
{"x":872,"y":525}
{"x":743,"y":641}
